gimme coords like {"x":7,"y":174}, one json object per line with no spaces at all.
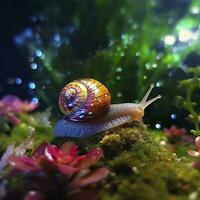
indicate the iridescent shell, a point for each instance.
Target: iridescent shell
{"x":84,"y":99}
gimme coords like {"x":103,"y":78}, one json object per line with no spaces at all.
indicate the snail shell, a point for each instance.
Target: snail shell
{"x":84,"y":99}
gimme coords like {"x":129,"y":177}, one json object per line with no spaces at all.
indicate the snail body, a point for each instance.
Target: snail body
{"x":95,"y":114}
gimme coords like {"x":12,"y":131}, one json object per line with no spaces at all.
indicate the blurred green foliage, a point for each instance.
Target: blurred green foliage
{"x":38,"y":122}
{"x":120,"y":43}
{"x":190,"y":102}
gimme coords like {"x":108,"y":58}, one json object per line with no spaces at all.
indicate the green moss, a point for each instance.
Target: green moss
{"x":143,"y":169}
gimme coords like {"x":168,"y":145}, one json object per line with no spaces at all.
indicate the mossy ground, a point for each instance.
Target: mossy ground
{"x":142,"y":162}
{"x":142,"y":168}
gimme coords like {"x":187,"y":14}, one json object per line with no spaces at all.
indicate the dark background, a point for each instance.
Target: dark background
{"x":14,"y":17}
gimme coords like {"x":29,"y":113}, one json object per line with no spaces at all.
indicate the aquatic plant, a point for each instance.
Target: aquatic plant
{"x":174,"y":131}
{"x":10,"y":106}
{"x":39,"y":122}
{"x":178,"y":135}
{"x":190,"y":101}
{"x":56,"y":167}
{"x":195,"y":153}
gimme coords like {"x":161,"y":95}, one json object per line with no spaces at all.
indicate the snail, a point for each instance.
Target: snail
{"x":86,"y":104}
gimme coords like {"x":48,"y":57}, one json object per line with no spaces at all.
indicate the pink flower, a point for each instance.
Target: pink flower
{"x":34,"y":195}
{"x":174,"y":131}
{"x":195,"y":153}
{"x":65,"y":160}
{"x":11,"y":105}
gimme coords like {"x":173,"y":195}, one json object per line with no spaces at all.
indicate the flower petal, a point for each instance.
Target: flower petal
{"x":92,"y":178}
{"x":24,"y":163}
{"x":12,"y":119}
{"x":197,"y":143}
{"x":28,"y":106}
{"x":12,"y":103}
{"x":34,"y":195}
{"x":40,"y":150}
{"x":193,"y":153}
{"x":69,"y":148}
{"x":66,"y":169}
{"x":90,"y":158}
{"x":51,"y":152}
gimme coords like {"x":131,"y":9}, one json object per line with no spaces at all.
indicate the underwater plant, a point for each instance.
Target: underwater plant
{"x":174,"y":131}
{"x":190,"y":101}
{"x":50,"y":166}
{"x":38,"y":121}
{"x":195,"y":153}
{"x":178,"y":135}
{"x":11,"y":105}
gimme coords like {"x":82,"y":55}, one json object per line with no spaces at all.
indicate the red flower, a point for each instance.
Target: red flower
{"x":174,"y":131}
{"x":64,"y":160}
{"x":10,"y":105}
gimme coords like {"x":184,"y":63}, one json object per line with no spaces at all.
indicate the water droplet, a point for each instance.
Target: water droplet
{"x":33,"y":66}
{"x":34,"y":100}
{"x":31,"y":85}
{"x":18,"y":81}
{"x":158,"y":126}
{"x":173,"y":116}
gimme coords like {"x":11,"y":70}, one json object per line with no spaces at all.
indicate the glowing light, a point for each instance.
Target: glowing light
{"x":195,"y":36}
{"x":185,"y":35}
{"x":34,"y":100}
{"x":119,"y":94}
{"x":173,"y":116}
{"x":169,"y":39}
{"x":33,"y":66}
{"x":195,"y":10}
{"x":118,"y":77}
{"x":38,"y":53}
{"x":137,"y":53}
{"x":119,"y":69}
{"x":148,"y":66}
{"x":31,"y":85}
{"x":154,"y":65}
{"x":158,"y":126}
{"x":158,"y":84}
{"x":18,"y":81}
{"x":57,"y":37}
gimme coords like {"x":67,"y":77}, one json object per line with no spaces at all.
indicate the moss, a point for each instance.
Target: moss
{"x":143,"y":169}
{"x":121,"y":139}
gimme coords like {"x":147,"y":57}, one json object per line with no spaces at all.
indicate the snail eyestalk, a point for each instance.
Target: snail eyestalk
{"x":147,"y":94}
{"x":147,"y":103}
{"x":144,"y":101}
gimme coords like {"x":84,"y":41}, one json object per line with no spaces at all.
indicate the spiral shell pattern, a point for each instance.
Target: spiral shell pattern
{"x":84,"y":99}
